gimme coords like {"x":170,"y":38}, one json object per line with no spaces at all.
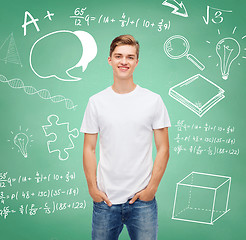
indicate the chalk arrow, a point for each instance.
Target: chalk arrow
{"x":176,"y":7}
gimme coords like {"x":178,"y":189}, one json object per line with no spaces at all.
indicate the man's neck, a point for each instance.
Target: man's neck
{"x":123,"y":86}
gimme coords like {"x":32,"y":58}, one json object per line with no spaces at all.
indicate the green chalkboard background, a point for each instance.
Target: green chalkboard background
{"x":207,"y":23}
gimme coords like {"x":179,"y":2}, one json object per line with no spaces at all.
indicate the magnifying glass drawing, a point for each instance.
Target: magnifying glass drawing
{"x":177,"y":47}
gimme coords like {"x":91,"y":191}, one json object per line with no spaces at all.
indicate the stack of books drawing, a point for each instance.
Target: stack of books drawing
{"x":197,"y":93}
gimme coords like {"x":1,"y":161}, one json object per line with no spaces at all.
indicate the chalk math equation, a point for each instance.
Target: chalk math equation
{"x":49,"y":193}
{"x":200,"y":139}
{"x":17,"y":196}
{"x":37,"y":178}
{"x":47,"y":208}
{"x":81,"y":18}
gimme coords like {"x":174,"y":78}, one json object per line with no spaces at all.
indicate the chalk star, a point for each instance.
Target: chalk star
{"x":49,"y":15}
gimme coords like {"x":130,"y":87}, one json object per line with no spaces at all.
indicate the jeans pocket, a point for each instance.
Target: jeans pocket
{"x":99,"y":206}
{"x":148,"y":202}
{"x":98,"y":202}
{"x":142,"y":203}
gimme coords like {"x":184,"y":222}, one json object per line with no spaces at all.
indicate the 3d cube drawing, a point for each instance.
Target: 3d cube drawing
{"x":201,"y":198}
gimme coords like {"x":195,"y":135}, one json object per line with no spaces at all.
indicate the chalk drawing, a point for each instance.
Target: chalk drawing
{"x":21,"y":140}
{"x":197,"y":93}
{"x":177,"y":7}
{"x":228,"y":49}
{"x":9,"y":52}
{"x":63,"y":136}
{"x":43,"y":93}
{"x":89,"y":53}
{"x":226,"y":58}
{"x":234,"y":30}
{"x":244,"y":48}
{"x":172,"y":48}
{"x":201,"y":198}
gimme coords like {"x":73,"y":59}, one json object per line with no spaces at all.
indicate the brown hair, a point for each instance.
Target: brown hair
{"x":124,"y":40}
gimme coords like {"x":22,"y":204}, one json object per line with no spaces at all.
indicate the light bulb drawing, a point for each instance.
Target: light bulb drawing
{"x":228,"y":49}
{"x":21,"y":140}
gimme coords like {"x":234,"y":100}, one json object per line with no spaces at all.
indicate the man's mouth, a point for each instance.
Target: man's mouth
{"x":123,"y":68}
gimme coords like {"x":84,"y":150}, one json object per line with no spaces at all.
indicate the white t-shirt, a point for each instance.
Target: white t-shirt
{"x":125,"y":124}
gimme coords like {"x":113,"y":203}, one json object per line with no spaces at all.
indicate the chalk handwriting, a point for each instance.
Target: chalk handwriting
{"x":48,"y":208}
{"x":6,"y":181}
{"x":205,"y":138}
{"x":80,"y":16}
{"x":34,"y":21}
{"x":16,"y":196}
{"x":49,"y":15}
{"x":217,"y":18}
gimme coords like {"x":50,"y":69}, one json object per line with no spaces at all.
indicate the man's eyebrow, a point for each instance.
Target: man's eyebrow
{"x":132,"y":55}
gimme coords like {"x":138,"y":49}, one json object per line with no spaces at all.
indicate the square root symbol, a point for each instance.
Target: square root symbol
{"x":201,"y":198}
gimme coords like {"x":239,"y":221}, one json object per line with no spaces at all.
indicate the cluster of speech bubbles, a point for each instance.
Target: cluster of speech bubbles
{"x":57,"y":53}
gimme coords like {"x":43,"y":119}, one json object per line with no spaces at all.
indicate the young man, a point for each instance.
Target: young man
{"x":124,"y":186}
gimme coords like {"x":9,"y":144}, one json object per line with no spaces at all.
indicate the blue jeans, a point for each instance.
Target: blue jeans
{"x":140,"y":219}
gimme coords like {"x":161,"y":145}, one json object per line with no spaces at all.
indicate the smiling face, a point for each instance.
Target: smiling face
{"x":123,"y":61}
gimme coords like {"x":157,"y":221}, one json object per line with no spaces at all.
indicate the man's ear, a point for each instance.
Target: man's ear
{"x":109,"y":61}
{"x":137,"y":61}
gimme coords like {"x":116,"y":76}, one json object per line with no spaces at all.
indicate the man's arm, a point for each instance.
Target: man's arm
{"x":162,"y":146}
{"x":90,"y":168}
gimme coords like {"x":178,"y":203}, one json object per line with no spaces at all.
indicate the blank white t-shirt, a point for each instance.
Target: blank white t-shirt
{"x":125,"y":124}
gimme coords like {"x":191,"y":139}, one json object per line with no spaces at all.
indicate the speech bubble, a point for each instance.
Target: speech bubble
{"x":89,"y":48}
{"x":57,"y":53}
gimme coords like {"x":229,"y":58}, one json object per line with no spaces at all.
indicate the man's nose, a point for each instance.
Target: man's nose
{"x":123,"y":60}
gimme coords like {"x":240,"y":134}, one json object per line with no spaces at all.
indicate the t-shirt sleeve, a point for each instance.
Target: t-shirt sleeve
{"x":90,"y":120}
{"x":161,"y":117}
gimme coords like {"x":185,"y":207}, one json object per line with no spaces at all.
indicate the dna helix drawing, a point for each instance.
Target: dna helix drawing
{"x":43,"y":93}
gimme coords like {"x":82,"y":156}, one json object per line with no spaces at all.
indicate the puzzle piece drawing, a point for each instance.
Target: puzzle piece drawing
{"x":61,"y":141}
